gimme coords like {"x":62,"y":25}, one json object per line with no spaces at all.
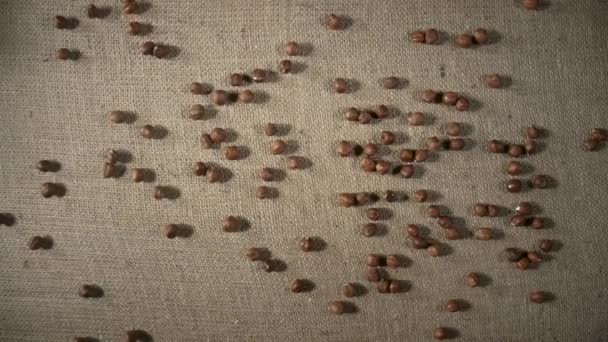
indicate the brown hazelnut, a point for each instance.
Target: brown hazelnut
{"x":382,"y":112}
{"x":421,"y":156}
{"x":387,"y":137}
{"x":492,"y":81}
{"x":306,"y":244}
{"x":374,"y":214}
{"x":522,"y":263}
{"x":197,"y":112}
{"x":291,"y":48}
{"x":456,"y":144}
{"x":393,"y":261}
{"x":206,"y":141}
{"x":496,"y":146}
{"x":218,"y":135}
{"x":219,"y":97}
{"x":419,"y":242}
{"x":232,"y":153}
{"x":417,"y":37}
{"x":416,"y":119}
{"x":213,"y":175}
{"x":146,"y":48}
{"x":294,"y":162}
{"x":200,"y":169}
{"x":431,"y":36}
{"x":332,"y":22}
{"x":285,"y":66}
{"x":63,"y":54}
{"x":545,"y":245}
{"x":433,"y":211}
{"x":464,"y":41}
{"x":347,"y":200}
{"x":344,"y":149}
{"x":161,"y":51}
{"x":452,"y":305}
{"x":433,"y":143}
{"x":259,"y":75}
{"x":406,"y":171}
{"x":391,"y":83}
{"x":420,"y":196}
{"x":451,"y":234}
{"x":197,"y":88}
{"x":481,"y":36}
{"x":539,"y":182}
{"x":515,"y":150}
{"x":530,"y":4}
{"x":351,"y":114}
{"x":263,"y":192}
{"x":411,"y":230}
{"x":462,"y":104}
{"x":349,"y":290}
{"x":370,"y":229}
{"x":245,"y":96}
{"x":340,"y":85}
{"x":483,"y":234}
{"x":471,"y":279}
{"x":230,"y":224}
{"x":278,"y":147}
{"x":537,"y":297}
{"x":370,"y":149}
{"x":428,"y":96}
{"x":514,"y":185}
{"x":449,"y":98}
{"x":336,"y":308}
{"x":433,"y":250}
{"x":440,"y":333}
{"x":453,"y":129}
{"x":514,"y":168}
{"x":368,"y":164}
{"x":407,"y":155}
{"x":138,"y":175}
{"x":270,"y":129}
{"x":365,"y":117}
{"x":523,"y":208}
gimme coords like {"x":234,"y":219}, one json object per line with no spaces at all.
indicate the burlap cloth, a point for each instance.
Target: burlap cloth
{"x":201,"y":288}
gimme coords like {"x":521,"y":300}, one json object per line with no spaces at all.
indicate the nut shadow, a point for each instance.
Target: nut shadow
{"x":144,"y":6}
{"x":124,"y":156}
{"x":86,"y":339}
{"x":103,"y":11}
{"x":350,"y":307}
{"x":298,"y":67}
{"x":307,"y":285}
{"x":272,"y":193}
{"x":149,"y":175}
{"x":243,"y":223}
{"x":260,"y":97}
{"x":404,"y":261}
{"x":360,"y":289}
{"x":7,"y":219}
{"x":278,"y":265}
{"x":484,"y":280}
{"x":160,"y":132}
{"x":184,"y":230}
{"x":306,"y":49}
{"x":291,"y":146}
{"x":170,"y":192}
{"x":231,"y":135}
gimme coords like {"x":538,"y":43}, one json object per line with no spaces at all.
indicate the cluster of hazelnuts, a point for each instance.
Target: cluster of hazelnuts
{"x":430,"y":36}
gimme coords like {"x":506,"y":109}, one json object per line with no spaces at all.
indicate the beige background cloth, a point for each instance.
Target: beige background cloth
{"x":108,"y":231}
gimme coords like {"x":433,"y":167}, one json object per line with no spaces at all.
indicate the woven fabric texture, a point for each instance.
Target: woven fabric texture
{"x":201,"y":288}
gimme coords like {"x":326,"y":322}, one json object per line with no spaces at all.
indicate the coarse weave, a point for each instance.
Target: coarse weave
{"x":109,"y":231}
